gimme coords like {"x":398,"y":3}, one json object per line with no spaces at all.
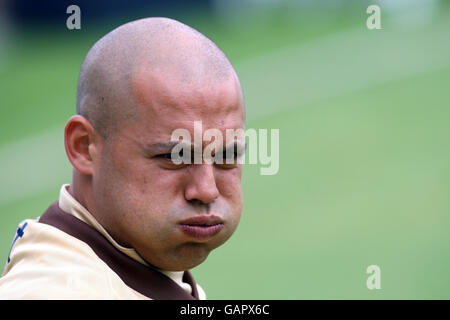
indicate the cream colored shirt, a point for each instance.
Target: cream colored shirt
{"x":41,"y":267}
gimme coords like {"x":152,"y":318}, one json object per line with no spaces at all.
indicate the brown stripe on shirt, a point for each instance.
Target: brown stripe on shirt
{"x":143,"y":279}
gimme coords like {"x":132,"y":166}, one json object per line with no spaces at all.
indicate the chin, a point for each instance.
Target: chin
{"x":188,"y":256}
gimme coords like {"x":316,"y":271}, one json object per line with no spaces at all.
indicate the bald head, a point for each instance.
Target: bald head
{"x":158,"y":48}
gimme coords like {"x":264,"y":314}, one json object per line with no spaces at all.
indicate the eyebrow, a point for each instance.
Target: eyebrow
{"x":236,"y":145}
{"x":166,"y":147}
{"x":160,"y":147}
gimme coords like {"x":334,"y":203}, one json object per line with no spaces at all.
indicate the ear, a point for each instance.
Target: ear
{"x":82,"y":144}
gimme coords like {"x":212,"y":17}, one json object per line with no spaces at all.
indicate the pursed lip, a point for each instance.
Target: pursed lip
{"x":202,"y":220}
{"x":201,"y":227}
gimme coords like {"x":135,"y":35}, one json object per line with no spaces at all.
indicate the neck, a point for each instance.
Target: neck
{"x":80,"y":188}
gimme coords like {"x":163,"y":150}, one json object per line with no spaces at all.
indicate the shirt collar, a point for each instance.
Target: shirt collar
{"x":70,"y":205}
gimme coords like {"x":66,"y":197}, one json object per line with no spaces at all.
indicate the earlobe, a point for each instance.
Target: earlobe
{"x":78,"y":140}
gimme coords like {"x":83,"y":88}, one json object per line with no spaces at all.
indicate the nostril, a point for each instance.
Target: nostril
{"x":195,"y":202}
{"x":199,"y":203}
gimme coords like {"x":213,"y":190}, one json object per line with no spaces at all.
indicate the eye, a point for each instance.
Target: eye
{"x":230,"y":160}
{"x":168,"y":156}
{"x":165,"y":156}
{"x":233,"y":153}
{"x":166,"y":161}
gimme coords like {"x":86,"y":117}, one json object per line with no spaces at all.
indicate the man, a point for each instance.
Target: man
{"x":132,"y":222}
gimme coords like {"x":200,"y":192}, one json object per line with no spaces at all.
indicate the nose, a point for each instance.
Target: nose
{"x":202,"y":184}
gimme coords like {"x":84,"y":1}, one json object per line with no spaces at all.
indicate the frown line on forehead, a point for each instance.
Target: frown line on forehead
{"x":160,"y":95}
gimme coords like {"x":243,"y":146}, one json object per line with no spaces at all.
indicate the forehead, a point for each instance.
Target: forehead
{"x":167,"y":101}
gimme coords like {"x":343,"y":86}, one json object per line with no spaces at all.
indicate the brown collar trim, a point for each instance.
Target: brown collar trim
{"x":145,"y":280}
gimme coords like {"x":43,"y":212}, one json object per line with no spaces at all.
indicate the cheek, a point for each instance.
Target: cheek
{"x":138,"y":174}
{"x":149,"y":189}
{"x":230,"y":187}
{"x":123,"y":179}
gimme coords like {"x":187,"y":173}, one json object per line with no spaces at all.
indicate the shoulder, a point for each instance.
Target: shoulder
{"x":47,"y":263}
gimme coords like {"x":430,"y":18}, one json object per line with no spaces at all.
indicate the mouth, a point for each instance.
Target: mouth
{"x":202,"y":227}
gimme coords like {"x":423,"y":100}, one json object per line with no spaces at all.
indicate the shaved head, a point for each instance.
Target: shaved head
{"x":110,"y":81}
{"x":138,"y":84}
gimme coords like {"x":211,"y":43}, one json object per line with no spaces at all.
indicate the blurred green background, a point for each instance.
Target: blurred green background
{"x":364,"y":119}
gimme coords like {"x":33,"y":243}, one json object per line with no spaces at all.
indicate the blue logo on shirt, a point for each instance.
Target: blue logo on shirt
{"x":19,"y":234}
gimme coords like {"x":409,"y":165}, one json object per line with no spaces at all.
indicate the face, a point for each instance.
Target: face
{"x":173,"y":215}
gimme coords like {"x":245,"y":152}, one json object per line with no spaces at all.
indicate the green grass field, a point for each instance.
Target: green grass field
{"x":364,"y":119}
